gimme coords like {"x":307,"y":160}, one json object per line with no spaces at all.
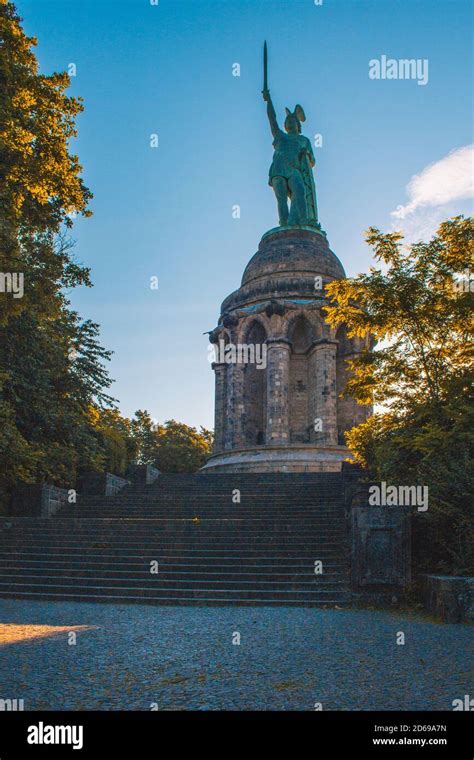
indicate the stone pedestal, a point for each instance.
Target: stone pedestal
{"x":285,"y":414}
{"x":289,"y":458}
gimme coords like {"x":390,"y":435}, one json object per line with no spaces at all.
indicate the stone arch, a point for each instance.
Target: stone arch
{"x":344,"y":344}
{"x":317,"y":326}
{"x":300,"y":331}
{"x":248,"y":324}
{"x":301,"y":337}
{"x":255,"y":387}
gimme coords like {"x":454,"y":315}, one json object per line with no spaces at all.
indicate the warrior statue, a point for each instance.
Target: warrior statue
{"x":291,"y":174}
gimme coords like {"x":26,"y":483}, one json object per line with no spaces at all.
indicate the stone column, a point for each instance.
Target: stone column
{"x":220,"y":409}
{"x":323,"y":399}
{"x":278,"y":383}
{"x":234,"y":434}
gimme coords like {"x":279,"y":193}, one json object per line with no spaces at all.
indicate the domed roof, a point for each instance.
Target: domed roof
{"x":293,"y":251}
{"x":285,"y":266}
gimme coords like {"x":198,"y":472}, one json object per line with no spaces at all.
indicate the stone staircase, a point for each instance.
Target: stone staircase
{"x":205,"y":548}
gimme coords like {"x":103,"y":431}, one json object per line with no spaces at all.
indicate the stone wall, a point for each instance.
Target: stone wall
{"x":450,"y":598}
{"x":299,"y":420}
{"x":37,"y":500}
{"x":380,"y":547}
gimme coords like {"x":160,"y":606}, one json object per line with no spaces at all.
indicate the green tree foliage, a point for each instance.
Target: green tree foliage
{"x":419,"y":308}
{"x":171,"y":447}
{"x":47,"y":392}
{"x":40,"y":184}
{"x":144,"y":434}
{"x":51,"y":364}
{"x":116,"y":438}
{"x":182,"y":448}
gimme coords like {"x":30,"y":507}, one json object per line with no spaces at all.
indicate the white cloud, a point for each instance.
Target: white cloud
{"x":450,"y":179}
{"x":423,"y":224}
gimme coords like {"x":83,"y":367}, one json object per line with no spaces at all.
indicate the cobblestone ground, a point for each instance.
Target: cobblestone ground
{"x":130,"y":656}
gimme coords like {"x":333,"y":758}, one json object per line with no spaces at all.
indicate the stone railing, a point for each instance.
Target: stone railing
{"x":142,"y":473}
{"x":101,"y":484}
{"x":46,"y":500}
{"x":114,"y":484}
{"x":37,"y":500}
{"x":52,"y":500}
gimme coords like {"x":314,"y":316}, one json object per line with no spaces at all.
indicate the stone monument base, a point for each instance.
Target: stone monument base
{"x":287,"y":458}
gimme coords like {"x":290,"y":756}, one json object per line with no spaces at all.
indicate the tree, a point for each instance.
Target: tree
{"x":40,"y":184}
{"x":181,"y":448}
{"x":420,"y":310}
{"x":52,"y":374}
{"x":52,"y":367}
{"x":171,"y":447}
{"x":144,"y":435}
{"x":119,"y":446}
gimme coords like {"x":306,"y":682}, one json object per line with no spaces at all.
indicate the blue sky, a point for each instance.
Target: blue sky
{"x":167,"y":211}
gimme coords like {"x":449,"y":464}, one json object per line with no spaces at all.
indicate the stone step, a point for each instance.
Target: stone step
{"x":271,"y":477}
{"x":188,"y":555}
{"x":183,"y":529}
{"x":178,"y":528}
{"x":244,"y":486}
{"x":279,"y":498}
{"x":180,"y":555}
{"x":209,"y":550}
{"x":188,"y":531}
{"x":145,"y":594}
{"x":219,"y":518}
{"x":190,"y":513}
{"x":146,"y":527}
{"x":147,"y":582}
{"x":170,"y":570}
{"x":214,"y":541}
{"x":188,"y":528}
{"x":190,"y":559}
{"x":214,"y":506}
{"x":171,"y":563}
{"x":336,"y":599}
{"x":115,"y":514}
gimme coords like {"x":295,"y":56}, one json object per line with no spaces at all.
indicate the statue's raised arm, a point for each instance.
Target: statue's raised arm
{"x":271,"y":113}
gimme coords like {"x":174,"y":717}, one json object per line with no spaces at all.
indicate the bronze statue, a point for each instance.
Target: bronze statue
{"x":291,"y":174}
